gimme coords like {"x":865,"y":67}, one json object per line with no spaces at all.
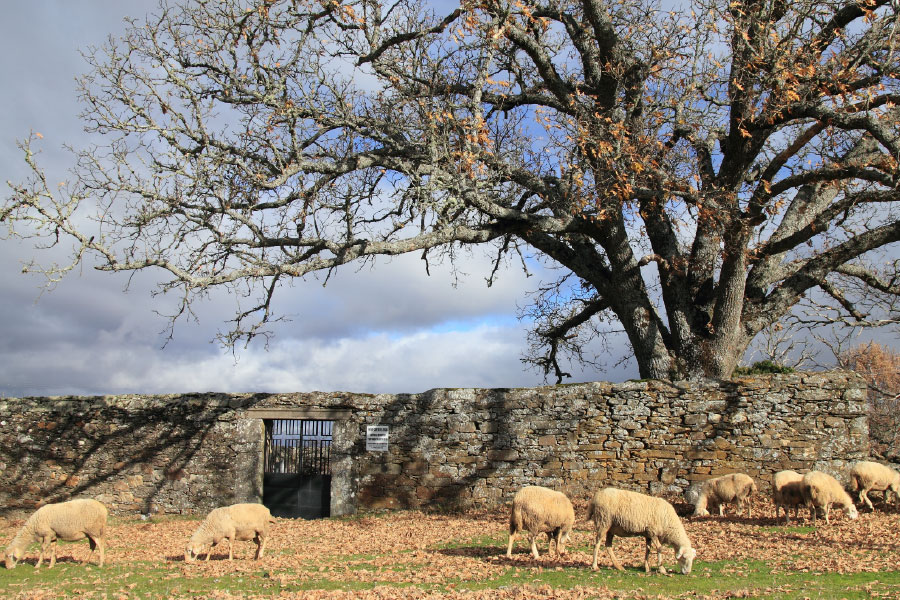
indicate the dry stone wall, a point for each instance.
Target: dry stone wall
{"x":450,"y":447}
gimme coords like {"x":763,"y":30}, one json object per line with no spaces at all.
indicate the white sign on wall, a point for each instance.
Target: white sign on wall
{"x":376,"y":438}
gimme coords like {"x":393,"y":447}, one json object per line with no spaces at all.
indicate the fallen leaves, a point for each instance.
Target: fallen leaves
{"x":392,"y":553}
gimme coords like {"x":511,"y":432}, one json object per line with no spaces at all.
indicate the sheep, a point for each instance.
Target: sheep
{"x":537,"y":510}
{"x":632,"y":514}
{"x":70,"y":521}
{"x":235,"y":522}
{"x":821,"y":490}
{"x":867,"y":475}
{"x":787,"y":490}
{"x":734,"y":488}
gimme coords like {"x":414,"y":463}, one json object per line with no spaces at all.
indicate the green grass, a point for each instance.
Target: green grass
{"x":709,"y":578}
{"x":149,"y":580}
{"x":152,"y":580}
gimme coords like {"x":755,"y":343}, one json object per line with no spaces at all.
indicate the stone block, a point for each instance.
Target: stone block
{"x":695,"y":420}
{"x":415,"y":467}
{"x":463,"y":428}
{"x":700,"y":455}
{"x":506,"y":454}
{"x":547,"y":440}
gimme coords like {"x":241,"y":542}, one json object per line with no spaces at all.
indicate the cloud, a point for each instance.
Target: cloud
{"x":390,"y":328}
{"x":485,"y":356}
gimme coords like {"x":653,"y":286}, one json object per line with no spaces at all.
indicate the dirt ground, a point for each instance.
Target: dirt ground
{"x":423,"y":548}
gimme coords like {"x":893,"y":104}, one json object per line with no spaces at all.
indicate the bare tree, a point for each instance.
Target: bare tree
{"x":694,"y":174}
{"x":784,"y":344}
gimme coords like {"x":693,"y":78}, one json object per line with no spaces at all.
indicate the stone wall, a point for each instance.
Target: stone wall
{"x":453,"y":447}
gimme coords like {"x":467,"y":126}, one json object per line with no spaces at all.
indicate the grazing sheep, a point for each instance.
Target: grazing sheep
{"x":821,"y":490}
{"x":787,"y":490}
{"x":537,"y":510}
{"x":631,"y":514}
{"x":69,"y":521}
{"x":866,"y":476}
{"x":236,"y":522}
{"x":734,"y":488}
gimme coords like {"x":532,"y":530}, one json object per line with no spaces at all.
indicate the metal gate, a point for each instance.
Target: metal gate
{"x":297,"y":473}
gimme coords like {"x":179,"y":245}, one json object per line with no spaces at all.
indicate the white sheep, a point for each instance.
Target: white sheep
{"x":632,"y":514}
{"x":69,"y":521}
{"x":866,"y":476}
{"x":821,"y":490}
{"x":734,"y":488}
{"x":787,"y":490}
{"x":236,"y":522}
{"x":537,"y":510}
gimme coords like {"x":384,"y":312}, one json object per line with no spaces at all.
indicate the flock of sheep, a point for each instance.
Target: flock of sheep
{"x":535,"y":510}
{"x":85,"y":518}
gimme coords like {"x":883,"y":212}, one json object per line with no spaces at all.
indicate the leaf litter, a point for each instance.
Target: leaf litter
{"x":395,"y":552}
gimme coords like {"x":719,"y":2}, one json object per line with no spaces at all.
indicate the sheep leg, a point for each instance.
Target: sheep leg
{"x":260,"y":545}
{"x":560,"y":543}
{"x":864,"y":495}
{"x":598,"y":535}
{"x":653,"y":544}
{"x":230,"y":548}
{"x":609,"y":550}
{"x":93,"y":546}
{"x":534,"y":550}
{"x":95,"y":543}
{"x":662,"y":569}
{"x":512,"y":536}
{"x":52,"y":553}
{"x":45,"y":543}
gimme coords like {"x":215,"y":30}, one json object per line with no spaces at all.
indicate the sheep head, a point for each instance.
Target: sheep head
{"x":11,"y":557}
{"x":192,"y":551}
{"x":686,"y":558}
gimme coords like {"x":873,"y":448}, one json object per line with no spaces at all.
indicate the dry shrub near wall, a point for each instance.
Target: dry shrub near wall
{"x":880,"y":367}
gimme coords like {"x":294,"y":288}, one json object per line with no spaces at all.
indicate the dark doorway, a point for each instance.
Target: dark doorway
{"x":297,"y":473}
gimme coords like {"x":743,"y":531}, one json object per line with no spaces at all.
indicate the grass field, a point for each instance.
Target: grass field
{"x":423,"y":555}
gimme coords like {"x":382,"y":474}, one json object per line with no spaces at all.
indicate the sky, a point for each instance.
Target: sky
{"x":391,"y":329}
{"x":387,"y":329}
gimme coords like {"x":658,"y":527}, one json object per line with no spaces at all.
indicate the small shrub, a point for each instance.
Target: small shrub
{"x":763,"y":367}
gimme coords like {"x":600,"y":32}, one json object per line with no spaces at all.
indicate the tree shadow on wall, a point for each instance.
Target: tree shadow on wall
{"x":415,"y":431}
{"x":161,"y":440}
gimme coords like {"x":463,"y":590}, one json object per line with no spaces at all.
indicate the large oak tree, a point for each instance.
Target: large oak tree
{"x":693,"y":172}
